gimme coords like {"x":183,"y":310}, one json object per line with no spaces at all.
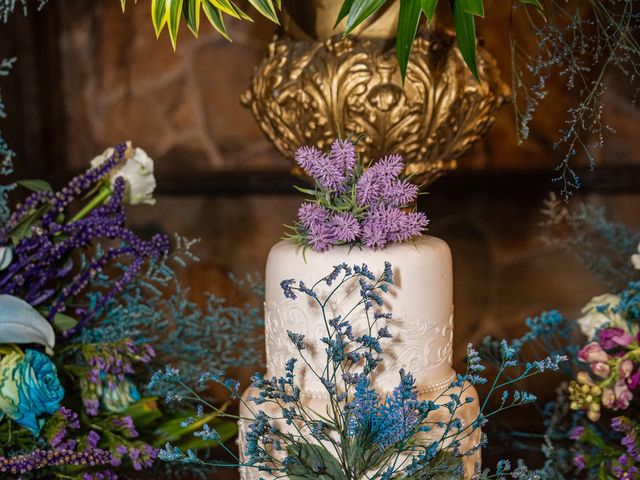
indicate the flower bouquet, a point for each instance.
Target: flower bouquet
{"x":78,"y":333}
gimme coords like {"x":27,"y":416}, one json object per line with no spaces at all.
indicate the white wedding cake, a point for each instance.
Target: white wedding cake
{"x":421,"y":304}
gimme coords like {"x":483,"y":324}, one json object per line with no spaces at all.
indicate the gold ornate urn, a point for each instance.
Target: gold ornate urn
{"x":316,"y":85}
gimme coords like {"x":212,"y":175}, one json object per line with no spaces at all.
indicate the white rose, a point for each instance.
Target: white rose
{"x":635,"y":259}
{"x":598,"y":312}
{"x":137,"y":172}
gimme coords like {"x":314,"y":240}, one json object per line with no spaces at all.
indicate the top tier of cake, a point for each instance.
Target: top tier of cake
{"x":420,"y":302}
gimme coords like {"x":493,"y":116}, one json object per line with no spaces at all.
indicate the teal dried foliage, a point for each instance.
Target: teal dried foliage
{"x":589,"y":233}
{"x":157,"y":308}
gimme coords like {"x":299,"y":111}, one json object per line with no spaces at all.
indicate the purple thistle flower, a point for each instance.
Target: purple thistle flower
{"x":343,"y":154}
{"x":345,"y":226}
{"x":384,"y":224}
{"x":312,"y":214}
{"x":399,"y":193}
{"x":321,"y":236}
{"x":326,"y":173}
{"x":372,"y":236}
{"x":369,"y":188}
{"x":390,"y":166}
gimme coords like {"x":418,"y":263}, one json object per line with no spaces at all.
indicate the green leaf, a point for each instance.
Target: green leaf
{"x":174,"y":13}
{"x":191,"y":11}
{"x":62,"y":322}
{"x":310,"y":456}
{"x":172,"y":430}
{"x":123,"y":4}
{"x":474,"y":7}
{"x":466,"y":36}
{"x":36,"y":185}
{"x":344,"y":11}
{"x":535,"y":4}
{"x":360,"y":11}
{"x":230,"y":8}
{"x":158,"y":15}
{"x":215,"y":19}
{"x":23,"y":229}
{"x":429,"y":8}
{"x":144,"y":412}
{"x":407,"y":27}
{"x":266,"y":8}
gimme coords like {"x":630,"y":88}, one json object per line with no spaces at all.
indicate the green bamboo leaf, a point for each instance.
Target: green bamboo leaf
{"x":230,"y":8}
{"x":225,"y":429}
{"x":266,"y":8}
{"x":144,"y":412}
{"x":158,"y":15}
{"x":191,"y":11}
{"x":474,"y":7}
{"x":360,"y":11}
{"x":429,"y":8}
{"x":214,"y":15}
{"x":62,"y":322}
{"x":35,"y":185}
{"x":407,"y":28}
{"x":466,"y":36}
{"x":344,"y":11}
{"x":535,"y":4}
{"x":174,"y":13}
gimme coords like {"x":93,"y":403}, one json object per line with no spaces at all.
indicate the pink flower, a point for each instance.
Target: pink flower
{"x":601,"y":369}
{"x":623,"y":395}
{"x":634,"y":380}
{"x":626,"y":368}
{"x":608,"y":398}
{"x":614,"y":337}
{"x":593,"y":353}
{"x":576,"y":432}
{"x":579,"y":461}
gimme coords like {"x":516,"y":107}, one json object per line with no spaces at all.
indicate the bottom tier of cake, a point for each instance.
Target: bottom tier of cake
{"x":467,"y":413}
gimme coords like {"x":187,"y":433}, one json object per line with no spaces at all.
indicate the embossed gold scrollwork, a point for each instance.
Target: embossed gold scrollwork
{"x":305,"y":91}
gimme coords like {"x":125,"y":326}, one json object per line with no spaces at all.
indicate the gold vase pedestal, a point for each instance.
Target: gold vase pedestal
{"x":313,"y":88}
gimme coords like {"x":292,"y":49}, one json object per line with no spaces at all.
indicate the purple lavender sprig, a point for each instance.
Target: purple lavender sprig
{"x":355,"y":205}
{"x":43,"y":271}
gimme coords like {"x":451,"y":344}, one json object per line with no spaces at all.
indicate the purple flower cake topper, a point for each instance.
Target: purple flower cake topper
{"x":354,"y":205}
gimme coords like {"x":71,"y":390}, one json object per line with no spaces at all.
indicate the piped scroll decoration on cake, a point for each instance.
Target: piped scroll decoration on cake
{"x":422,"y":345}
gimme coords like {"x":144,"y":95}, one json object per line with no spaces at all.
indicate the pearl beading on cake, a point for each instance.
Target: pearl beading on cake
{"x":433,"y":387}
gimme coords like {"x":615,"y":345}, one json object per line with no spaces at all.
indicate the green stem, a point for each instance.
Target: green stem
{"x":103,"y":194}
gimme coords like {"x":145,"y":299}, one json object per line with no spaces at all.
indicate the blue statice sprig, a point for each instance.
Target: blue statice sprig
{"x":363,"y":431}
{"x":6,"y":154}
{"x":582,"y":50}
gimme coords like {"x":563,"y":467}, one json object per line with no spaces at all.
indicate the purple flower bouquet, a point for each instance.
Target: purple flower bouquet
{"x":75,"y":330}
{"x":355,"y":205}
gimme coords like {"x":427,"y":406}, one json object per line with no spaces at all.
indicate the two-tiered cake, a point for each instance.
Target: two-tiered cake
{"x":421,"y":304}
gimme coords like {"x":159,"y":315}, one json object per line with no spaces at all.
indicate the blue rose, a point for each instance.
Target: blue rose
{"x":29,"y":388}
